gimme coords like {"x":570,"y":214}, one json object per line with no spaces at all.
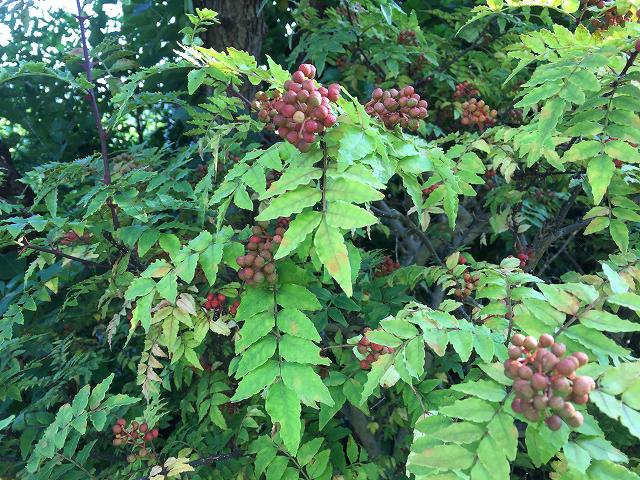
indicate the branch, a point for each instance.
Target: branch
{"x":388,"y":212}
{"x":374,"y":68}
{"x":106,"y":176}
{"x":59,"y":253}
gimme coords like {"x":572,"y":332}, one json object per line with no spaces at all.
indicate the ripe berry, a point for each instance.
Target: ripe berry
{"x":518,"y":339}
{"x":116,"y":429}
{"x":554,"y":422}
{"x":148,"y":437}
{"x":122,"y":422}
{"x":144,"y":427}
{"x":546,"y":340}
{"x":155,"y":432}
{"x":364,"y":364}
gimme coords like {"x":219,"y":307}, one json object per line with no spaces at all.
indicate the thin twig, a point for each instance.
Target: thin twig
{"x":555,"y":255}
{"x":106,"y":176}
{"x":59,"y":253}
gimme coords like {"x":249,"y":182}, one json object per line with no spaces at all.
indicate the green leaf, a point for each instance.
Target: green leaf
{"x":276,"y":468}
{"x":255,"y":300}
{"x":383,"y":338}
{"x":210,"y":260}
{"x":472,"y":409}
{"x":99,"y":391}
{"x":168,"y":287}
{"x":629,"y":300}
{"x":307,"y":451}
{"x":283,"y":407}
{"x":195,"y":78}
{"x":543,"y":444}
{"x":254,"y":329}
{"x":462,"y":342}
{"x":294,"y":322}
{"x":620,"y":234}
{"x":299,"y":228}
{"x":290,"y":295}
{"x":484,"y":389}
{"x":294,"y":201}
{"x":170,"y":244}
{"x":341,"y":189}
{"x":186,"y":269}
{"x":256,"y":381}
{"x":332,"y":252}
{"x":348,"y":216}
{"x":256,"y":355}
{"x":291,"y":178}
{"x":504,"y":432}
{"x":378,"y":369}
{"x":139,"y":287}
{"x":596,"y":225}
{"x":599,"y":173}
{"x":445,"y":457}
{"x":306,"y":383}
{"x":607,"y":322}
{"x":413,"y":355}
{"x":299,"y":350}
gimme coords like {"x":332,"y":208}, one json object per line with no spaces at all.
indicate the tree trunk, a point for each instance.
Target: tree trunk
{"x":9,"y":176}
{"x":240,"y":27}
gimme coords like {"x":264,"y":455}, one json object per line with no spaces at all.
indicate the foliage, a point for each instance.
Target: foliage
{"x":240,"y":294}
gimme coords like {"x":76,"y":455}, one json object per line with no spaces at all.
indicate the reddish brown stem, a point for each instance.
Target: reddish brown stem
{"x":106,"y":176}
{"x":58,"y":253}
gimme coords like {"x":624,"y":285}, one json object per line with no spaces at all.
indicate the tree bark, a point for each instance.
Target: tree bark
{"x":8,"y":173}
{"x":241,"y":27}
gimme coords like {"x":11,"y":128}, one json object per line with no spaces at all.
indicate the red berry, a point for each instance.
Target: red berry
{"x":148,"y":437}
{"x":155,"y":432}
{"x":364,"y":364}
{"x":144,"y":427}
{"x":122,"y":422}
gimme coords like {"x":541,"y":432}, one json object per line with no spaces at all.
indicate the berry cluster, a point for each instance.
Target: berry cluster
{"x":611,"y":17}
{"x":524,"y":256}
{"x":386,"y":267}
{"x":429,"y":190}
{"x":469,"y":283}
{"x":215,"y":301}
{"x":257,"y":264}
{"x":218,"y":302}
{"x":465,"y":90}
{"x":416,"y":66}
{"x":71,"y":238}
{"x":477,"y":113}
{"x":395,"y":107}
{"x":138,"y":436}
{"x":544,"y":379}
{"x":371,"y":350}
{"x":302,"y":112}
{"x":407,"y":37}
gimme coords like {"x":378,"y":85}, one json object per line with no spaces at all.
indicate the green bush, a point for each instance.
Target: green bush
{"x":326,"y":281}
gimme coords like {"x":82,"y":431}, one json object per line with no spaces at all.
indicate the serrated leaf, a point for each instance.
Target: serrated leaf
{"x":348,"y":216}
{"x":332,"y":252}
{"x":299,"y":228}
{"x":283,"y":407}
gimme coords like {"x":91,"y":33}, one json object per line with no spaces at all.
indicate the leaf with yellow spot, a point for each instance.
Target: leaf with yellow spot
{"x":332,"y":252}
